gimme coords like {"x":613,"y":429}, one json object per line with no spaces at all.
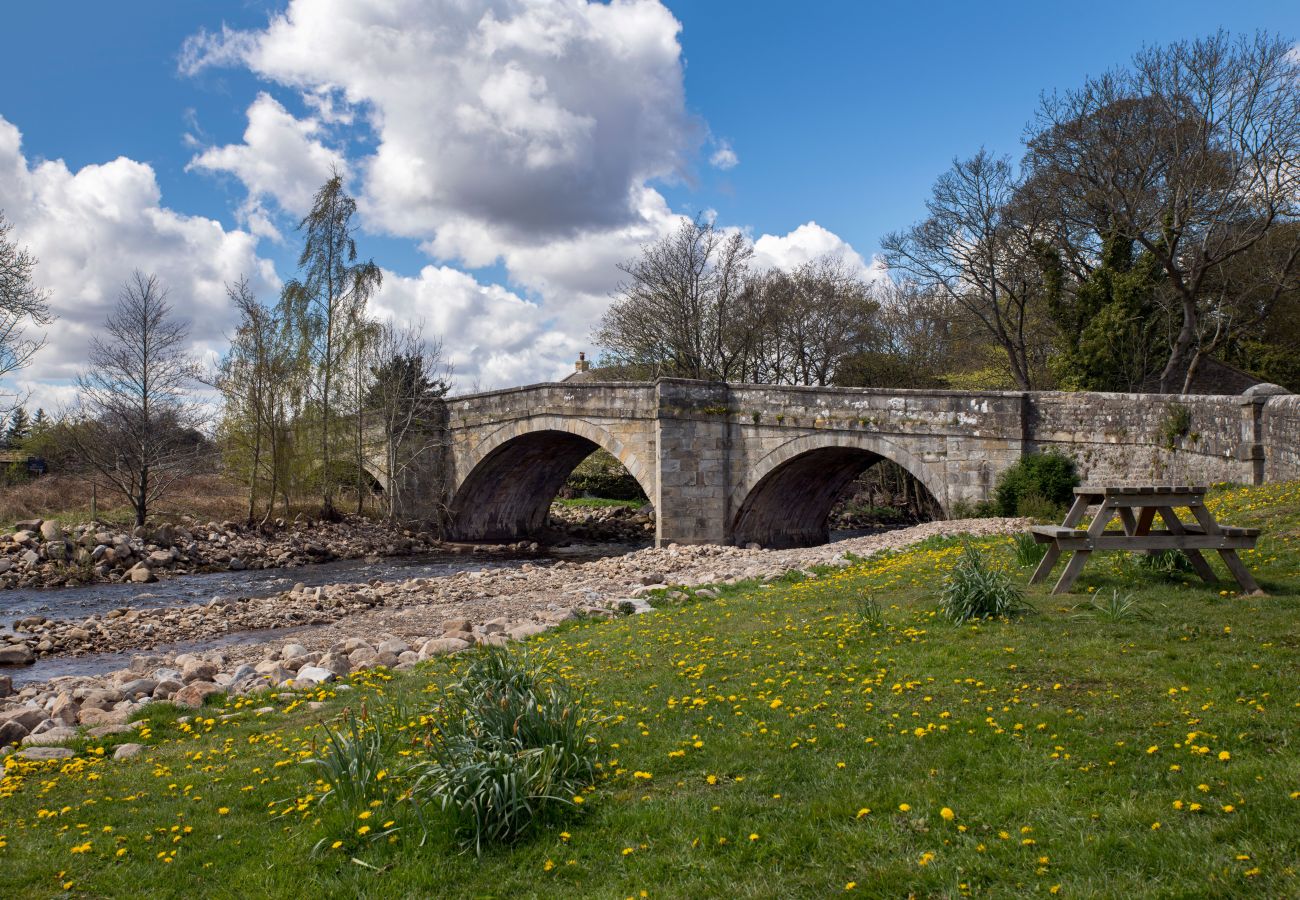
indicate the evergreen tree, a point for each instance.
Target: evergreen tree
{"x":20,"y":428}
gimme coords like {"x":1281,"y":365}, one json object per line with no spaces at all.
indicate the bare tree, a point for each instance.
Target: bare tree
{"x":678,"y":312}
{"x":21,"y":304}
{"x":1193,"y":152}
{"x":138,"y":418}
{"x":254,"y":380}
{"x":408,"y":379}
{"x":977,"y":248}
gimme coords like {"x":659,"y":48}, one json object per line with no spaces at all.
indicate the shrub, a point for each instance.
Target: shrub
{"x":513,"y":746}
{"x":976,"y":590}
{"x":602,"y":475}
{"x":1029,"y":552}
{"x":965,"y":509}
{"x":1050,"y":476}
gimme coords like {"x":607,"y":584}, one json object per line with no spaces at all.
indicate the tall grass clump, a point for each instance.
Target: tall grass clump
{"x":514,"y":747}
{"x":976,"y":590}
{"x":1166,"y":563}
{"x":354,"y":762}
{"x":1029,"y":552}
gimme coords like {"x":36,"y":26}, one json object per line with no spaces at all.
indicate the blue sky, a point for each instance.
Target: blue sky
{"x":838,"y":113}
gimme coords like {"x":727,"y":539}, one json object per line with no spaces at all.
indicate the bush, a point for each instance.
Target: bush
{"x":514,"y":745}
{"x":975,"y":590}
{"x":1049,"y":476}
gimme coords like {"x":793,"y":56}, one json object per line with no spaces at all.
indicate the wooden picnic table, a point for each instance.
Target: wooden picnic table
{"x":1136,"y":508}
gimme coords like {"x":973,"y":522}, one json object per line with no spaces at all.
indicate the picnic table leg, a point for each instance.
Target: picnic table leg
{"x":1046,"y":564}
{"x":1072,"y":570}
{"x":1145,"y":517}
{"x":1175,"y":526}
{"x":1075,"y":566}
{"x":1130,"y":524}
{"x":1230,"y":558}
{"x":1240,"y":572}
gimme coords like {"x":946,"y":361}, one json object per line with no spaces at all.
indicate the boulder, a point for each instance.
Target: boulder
{"x":139,"y":687}
{"x":27,"y":716}
{"x":29,"y":525}
{"x":194,"y":693}
{"x":292,"y":650}
{"x":91,"y":715}
{"x":442,"y":646}
{"x":525,"y":630}
{"x":315,"y":675}
{"x":394,"y":646}
{"x":44,"y":753}
{"x":65,"y":710}
{"x":141,"y":574}
{"x":50,"y":737}
{"x":11,"y":733}
{"x":159,"y":558}
{"x":31,"y":558}
{"x":16,"y":655}
{"x":457,"y":625}
{"x":127,"y":751}
{"x":167,"y":688}
{"x":51,"y":531}
{"x":199,"y":670}
{"x":336,"y":663}
{"x":6,"y":685}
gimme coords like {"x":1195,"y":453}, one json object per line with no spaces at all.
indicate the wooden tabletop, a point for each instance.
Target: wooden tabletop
{"x":1098,"y":490}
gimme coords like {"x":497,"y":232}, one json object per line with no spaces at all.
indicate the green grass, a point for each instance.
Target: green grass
{"x":744,"y":740}
{"x":598,"y":503}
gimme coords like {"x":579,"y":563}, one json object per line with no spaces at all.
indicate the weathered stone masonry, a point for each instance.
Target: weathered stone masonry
{"x":739,"y":463}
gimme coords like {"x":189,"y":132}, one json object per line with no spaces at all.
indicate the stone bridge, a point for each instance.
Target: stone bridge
{"x":733,"y":464}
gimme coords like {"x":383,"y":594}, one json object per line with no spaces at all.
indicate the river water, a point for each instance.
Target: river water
{"x":187,"y":590}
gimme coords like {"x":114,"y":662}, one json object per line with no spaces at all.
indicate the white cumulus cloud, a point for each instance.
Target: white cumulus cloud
{"x":89,"y":229}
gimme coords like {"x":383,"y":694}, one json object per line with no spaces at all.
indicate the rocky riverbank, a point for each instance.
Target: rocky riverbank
{"x":44,"y":553}
{"x":613,"y":524}
{"x":343,"y":628}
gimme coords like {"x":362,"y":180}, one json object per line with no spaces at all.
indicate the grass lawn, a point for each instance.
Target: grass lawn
{"x":776,"y":742}
{"x":597,"y":503}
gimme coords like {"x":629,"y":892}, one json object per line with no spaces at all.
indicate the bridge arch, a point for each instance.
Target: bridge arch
{"x":785,"y":498}
{"x":502,"y":489}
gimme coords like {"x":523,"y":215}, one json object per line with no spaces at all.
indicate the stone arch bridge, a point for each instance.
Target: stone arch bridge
{"x":733,"y":464}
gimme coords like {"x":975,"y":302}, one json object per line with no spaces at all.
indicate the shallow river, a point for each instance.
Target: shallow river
{"x":187,"y":590}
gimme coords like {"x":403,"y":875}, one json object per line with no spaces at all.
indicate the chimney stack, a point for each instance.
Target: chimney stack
{"x":582,"y":365}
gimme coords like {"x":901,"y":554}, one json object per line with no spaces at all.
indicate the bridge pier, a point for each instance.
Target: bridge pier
{"x":692,"y":444}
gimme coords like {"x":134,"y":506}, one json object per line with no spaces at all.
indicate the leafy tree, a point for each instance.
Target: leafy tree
{"x":323,"y":307}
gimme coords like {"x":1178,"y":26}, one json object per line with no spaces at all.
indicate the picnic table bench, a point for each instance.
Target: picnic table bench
{"x":1136,"y":508}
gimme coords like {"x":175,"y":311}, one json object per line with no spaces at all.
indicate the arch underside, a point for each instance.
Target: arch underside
{"x":790,"y":506}
{"x":507,"y":495}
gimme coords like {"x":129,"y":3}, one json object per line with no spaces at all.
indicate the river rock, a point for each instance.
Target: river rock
{"x":141,"y":574}
{"x":6,"y":685}
{"x":93,"y":715}
{"x":199,"y":670}
{"x":443,"y":646}
{"x":138,"y":687}
{"x":315,"y":675}
{"x":292,"y":650}
{"x":49,"y":737}
{"x":457,"y":625}
{"x":193,"y":694}
{"x":167,"y":688}
{"x":65,"y":710}
{"x":525,"y":630}
{"x":336,"y":663}
{"x":11,"y":733}
{"x":394,"y":646}
{"x":44,"y":753}
{"x":51,"y":531}
{"x":27,"y":716}
{"x":31,"y":558}
{"x":29,"y":525}
{"x":16,"y":655}
{"x":127,"y":751}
